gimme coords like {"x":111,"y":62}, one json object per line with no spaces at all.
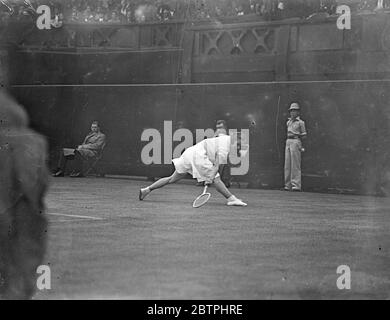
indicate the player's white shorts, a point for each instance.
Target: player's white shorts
{"x":195,"y":162}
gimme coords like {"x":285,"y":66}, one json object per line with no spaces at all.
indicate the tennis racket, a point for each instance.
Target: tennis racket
{"x":202,"y":199}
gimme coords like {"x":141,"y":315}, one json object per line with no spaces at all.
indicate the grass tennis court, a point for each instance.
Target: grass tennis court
{"x":104,"y":243}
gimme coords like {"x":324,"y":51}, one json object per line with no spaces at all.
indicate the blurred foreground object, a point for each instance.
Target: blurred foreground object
{"x":23,"y":183}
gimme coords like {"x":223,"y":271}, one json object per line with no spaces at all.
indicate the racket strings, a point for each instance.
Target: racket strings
{"x":201,"y":200}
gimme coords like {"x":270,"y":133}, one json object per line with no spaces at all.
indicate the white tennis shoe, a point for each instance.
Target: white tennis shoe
{"x":236,"y":202}
{"x":143,"y":192}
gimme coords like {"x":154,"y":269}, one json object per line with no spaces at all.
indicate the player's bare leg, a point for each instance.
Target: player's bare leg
{"x":161,"y":183}
{"x":221,"y":188}
{"x":232,"y":200}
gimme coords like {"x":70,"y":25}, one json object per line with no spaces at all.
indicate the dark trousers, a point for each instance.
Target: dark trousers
{"x":63,"y":160}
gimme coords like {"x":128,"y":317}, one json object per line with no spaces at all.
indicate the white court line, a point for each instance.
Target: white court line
{"x":74,"y":216}
{"x":67,"y":220}
{"x":200,"y":84}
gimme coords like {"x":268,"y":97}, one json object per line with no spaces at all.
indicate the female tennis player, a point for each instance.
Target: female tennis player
{"x":201,"y":161}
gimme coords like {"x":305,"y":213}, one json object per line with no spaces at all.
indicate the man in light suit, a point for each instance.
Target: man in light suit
{"x":296,"y":131}
{"x":92,"y":145}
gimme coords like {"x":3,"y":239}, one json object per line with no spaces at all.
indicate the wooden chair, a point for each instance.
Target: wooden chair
{"x":92,"y":164}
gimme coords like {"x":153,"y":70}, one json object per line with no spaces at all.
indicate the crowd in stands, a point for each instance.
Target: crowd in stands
{"x":138,"y":11}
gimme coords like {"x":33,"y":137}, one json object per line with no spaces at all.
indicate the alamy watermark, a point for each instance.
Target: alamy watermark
{"x":44,"y":278}
{"x":344,"y":280}
{"x":159,"y":150}
{"x":344,"y":20}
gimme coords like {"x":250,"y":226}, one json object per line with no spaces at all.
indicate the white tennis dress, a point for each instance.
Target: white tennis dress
{"x":201,"y":159}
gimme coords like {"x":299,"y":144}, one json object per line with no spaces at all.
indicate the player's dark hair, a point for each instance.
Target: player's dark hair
{"x":222,"y":122}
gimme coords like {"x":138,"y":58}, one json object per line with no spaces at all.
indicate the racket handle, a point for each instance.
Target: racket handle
{"x":205,"y":188}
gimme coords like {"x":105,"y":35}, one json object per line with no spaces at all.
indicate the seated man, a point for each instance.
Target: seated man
{"x":93,"y":144}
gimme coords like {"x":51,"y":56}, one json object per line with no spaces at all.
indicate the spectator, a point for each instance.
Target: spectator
{"x":92,"y":145}
{"x":87,"y":15}
{"x":137,"y":11}
{"x":114,"y":18}
{"x":24,"y":181}
{"x":75,"y":15}
{"x":164,"y":12}
{"x":125,"y":7}
{"x":58,"y":18}
{"x":99,"y":16}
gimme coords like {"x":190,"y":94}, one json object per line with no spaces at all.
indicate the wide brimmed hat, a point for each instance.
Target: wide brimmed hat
{"x":294,"y":106}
